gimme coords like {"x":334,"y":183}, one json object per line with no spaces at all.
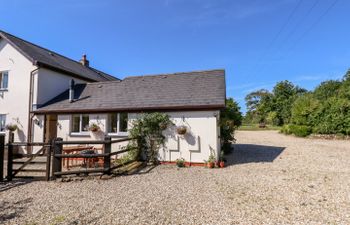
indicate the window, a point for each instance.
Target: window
{"x":118,"y":123}
{"x":2,"y":122}
{"x":80,"y":123}
{"x":4,"y":76}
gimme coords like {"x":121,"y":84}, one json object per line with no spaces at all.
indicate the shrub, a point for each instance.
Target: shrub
{"x":300,"y":130}
{"x":297,"y":130}
{"x":286,"y":129}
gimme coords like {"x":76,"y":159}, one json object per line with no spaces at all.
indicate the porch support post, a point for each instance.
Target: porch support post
{"x":10,"y":157}
{"x":57,"y":161}
{"x":2,"y":152}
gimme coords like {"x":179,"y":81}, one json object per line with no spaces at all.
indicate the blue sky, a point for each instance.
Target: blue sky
{"x":257,"y":42}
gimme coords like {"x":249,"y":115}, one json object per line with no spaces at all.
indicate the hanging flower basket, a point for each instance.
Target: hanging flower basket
{"x":181,"y":130}
{"x":94,"y":128}
{"x":11,"y":127}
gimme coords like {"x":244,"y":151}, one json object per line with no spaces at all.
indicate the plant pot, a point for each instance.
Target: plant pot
{"x":222,"y":164}
{"x":94,"y":130}
{"x":217,"y":163}
{"x":211,"y":164}
{"x":181,"y":130}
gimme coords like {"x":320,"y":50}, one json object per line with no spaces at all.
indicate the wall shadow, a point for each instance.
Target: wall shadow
{"x":249,"y":153}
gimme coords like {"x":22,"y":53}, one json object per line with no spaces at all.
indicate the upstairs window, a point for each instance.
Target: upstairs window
{"x":2,"y":123}
{"x":4,"y":76}
{"x":118,"y":123}
{"x":80,"y":123}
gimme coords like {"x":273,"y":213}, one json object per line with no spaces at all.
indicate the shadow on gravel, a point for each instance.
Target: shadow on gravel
{"x":248,"y":153}
{"x":10,"y":210}
{"x":4,"y":186}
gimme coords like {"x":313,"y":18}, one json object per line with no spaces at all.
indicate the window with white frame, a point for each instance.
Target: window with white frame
{"x":4,"y":77}
{"x":117,"y":123}
{"x":2,"y":122}
{"x":80,"y":123}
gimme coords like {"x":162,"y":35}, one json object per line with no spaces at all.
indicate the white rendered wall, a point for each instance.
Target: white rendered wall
{"x":196,"y":146}
{"x":14,"y":102}
{"x":49,"y":84}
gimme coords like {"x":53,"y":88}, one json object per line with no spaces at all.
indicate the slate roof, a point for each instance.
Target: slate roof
{"x":178,"y":91}
{"x":46,"y":58}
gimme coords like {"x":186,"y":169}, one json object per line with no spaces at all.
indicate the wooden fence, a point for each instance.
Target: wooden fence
{"x":106,"y":155}
{"x":54,"y":155}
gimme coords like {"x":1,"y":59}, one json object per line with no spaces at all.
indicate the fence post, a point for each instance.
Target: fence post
{"x":107,"y":150}
{"x":10,"y":157}
{"x":2,"y":152}
{"x":57,"y":161}
{"x":48,"y":161}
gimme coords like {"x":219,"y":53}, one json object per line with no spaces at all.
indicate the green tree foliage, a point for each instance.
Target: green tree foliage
{"x":230,"y":119}
{"x":272,"y":108}
{"x":284,"y":94}
{"x":326,"y":110}
{"x":259,"y":104}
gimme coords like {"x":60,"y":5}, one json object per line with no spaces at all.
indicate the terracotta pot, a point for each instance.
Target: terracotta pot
{"x":217,"y":163}
{"x":211,"y":165}
{"x":222,"y":164}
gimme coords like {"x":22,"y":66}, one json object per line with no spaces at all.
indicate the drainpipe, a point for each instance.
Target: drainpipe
{"x":30,"y":107}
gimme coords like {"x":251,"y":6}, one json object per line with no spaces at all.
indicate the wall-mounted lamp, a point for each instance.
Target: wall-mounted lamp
{"x":36,"y":121}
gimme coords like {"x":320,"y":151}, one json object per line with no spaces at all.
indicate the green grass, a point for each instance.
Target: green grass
{"x":255,"y":127}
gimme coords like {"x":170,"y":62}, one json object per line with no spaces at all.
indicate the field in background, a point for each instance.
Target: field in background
{"x":255,"y":127}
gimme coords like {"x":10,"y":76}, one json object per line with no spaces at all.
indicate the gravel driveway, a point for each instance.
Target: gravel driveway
{"x":271,"y":179}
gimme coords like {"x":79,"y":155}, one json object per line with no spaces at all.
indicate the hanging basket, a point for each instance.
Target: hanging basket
{"x":94,"y":128}
{"x":181,"y":130}
{"x":11,"y":127}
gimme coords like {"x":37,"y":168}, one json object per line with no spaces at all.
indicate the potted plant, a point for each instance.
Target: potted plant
{"x":211,"y":161}
{"x":94,"y":127}
{"x":181,"y":130}
{"x":180,"y":162}
{"x":222,"y":160}
{"x":11,"y":127}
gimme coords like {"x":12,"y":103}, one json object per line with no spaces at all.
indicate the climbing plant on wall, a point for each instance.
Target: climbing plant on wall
{"x":148,"y":133}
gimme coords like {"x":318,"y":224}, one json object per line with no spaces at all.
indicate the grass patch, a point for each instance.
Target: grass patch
{"x":255,"y":127}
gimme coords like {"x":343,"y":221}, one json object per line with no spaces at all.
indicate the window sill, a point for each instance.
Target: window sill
{"x":79,"y":134}
{"x":3,"y":90}
{"x":118,"y":134}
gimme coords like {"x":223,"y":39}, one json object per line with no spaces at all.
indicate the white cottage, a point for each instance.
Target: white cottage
{"x":48,"y":95}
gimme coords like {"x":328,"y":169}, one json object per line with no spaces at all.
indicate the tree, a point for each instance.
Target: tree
{"x":230,"y":119}
{"x":258,"y":105}
{"x":327,"y":89}
{"x":284,"y":94}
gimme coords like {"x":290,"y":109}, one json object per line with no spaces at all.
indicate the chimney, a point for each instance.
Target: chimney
{"x":71,"y":90}
{"x":84,"y":61}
